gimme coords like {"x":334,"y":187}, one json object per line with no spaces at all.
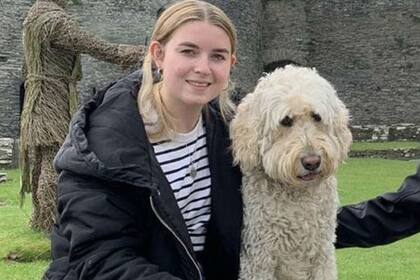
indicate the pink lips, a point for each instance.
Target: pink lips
{"x":201,"y":84}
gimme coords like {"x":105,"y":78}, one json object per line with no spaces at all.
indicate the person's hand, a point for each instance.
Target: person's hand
{"x":130,"y":55}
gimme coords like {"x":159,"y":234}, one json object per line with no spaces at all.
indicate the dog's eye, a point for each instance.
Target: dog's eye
{"x":287,"y":121}
{"x":316,"y":117}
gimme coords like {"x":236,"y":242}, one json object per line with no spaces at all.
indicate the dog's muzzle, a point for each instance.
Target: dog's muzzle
{"x":311,"y":164}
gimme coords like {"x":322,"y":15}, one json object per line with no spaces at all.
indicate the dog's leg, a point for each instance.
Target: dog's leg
{"x":259,"y":253}
{"x":256,"y":267}
{"x":327,"y":270}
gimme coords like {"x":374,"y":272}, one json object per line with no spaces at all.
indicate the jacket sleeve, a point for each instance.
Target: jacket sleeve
{"x":98,"y":234}
{"x":382,"y":220}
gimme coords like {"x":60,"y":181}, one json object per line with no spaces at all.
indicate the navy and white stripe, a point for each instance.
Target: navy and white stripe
{"x":192,"y":194}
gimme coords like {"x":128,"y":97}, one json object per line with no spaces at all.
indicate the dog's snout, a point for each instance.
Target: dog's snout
{"x":311,"y":162}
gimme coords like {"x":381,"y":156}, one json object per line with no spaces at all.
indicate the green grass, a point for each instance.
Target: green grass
{"x":359,"y":179}
{"x":30,"y":250}
{"x":363,"y":146}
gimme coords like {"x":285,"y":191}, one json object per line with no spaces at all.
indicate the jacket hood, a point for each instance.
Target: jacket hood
{"x":107,"y":139}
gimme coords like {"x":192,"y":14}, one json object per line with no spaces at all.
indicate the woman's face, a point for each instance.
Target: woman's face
{"x":196,"y":63}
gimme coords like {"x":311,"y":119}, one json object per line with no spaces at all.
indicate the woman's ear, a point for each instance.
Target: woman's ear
{"x":157,"y":52}
{"x":233,"y":61}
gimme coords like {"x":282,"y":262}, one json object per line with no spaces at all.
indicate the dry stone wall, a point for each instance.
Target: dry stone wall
{"x":370,"y":50}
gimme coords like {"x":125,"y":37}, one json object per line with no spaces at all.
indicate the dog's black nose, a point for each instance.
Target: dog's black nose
{"x":311,"y":162}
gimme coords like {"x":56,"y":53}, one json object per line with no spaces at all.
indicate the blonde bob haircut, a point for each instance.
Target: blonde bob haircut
{"x":150,"y":103}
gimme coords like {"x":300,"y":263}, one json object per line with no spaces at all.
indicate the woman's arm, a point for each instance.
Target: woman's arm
{"x":385,"y":219}
{"x":98,"y":234}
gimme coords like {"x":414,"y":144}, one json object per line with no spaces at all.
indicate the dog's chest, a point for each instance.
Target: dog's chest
{"x":304,"y":217}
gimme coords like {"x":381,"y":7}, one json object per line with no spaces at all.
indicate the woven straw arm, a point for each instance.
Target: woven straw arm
{"x":68,"y":35}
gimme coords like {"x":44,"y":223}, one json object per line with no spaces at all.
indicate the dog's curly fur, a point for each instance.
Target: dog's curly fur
{"x":289,"y":136}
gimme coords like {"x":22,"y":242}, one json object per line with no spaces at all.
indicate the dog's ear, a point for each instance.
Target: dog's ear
{"x":244,"y":134}
{"x":342,"y":131}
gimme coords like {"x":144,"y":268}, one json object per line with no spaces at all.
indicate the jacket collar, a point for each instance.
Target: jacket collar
{"x":107,"y":139}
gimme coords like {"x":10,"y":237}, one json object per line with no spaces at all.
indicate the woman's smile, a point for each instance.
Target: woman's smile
{"x":199,"y":84}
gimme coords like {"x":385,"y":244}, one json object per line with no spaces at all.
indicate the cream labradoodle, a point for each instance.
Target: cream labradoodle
{"x":289,"y":136}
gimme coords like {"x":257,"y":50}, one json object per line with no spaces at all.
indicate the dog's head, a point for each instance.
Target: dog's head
{"x":293,"y":126}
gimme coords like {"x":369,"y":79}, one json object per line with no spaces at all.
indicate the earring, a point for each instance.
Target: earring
{"x":158,"y":75}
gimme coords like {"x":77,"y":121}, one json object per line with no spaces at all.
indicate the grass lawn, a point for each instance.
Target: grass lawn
{"x":358,"y":179}
{"x":362,"y":179}
{"x":29,"y":249}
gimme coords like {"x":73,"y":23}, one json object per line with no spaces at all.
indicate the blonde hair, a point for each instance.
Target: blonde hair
{"x":169,"y":21}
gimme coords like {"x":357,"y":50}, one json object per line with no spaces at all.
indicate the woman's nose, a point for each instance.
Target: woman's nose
{"x":202,"y":65}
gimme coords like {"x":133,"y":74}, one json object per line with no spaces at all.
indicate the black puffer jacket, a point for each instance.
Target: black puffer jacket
{"x":118,"y":218}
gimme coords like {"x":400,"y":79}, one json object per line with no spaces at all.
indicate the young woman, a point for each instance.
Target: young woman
{"x":154,"y":195}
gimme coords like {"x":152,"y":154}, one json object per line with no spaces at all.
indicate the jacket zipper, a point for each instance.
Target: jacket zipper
{"x":176,"y":236}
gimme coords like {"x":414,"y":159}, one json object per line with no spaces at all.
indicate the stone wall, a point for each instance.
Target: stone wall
{"x":8,"y":154}
{"x":370,"y":50}
{"x":11,"y":17}
{"x":398,"y":154}
{"x":285,"y":32}
{"x":408,"y":132}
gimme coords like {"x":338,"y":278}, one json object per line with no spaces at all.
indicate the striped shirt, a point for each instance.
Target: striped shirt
{"x":176,"y":158}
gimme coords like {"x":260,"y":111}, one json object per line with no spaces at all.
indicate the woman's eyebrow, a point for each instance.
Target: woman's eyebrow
{"x":188,"y":44}
{"x":222,"y":50}
{"x":192,"y":45}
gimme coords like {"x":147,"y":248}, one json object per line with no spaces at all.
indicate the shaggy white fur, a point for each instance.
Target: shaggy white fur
{"x":289,"y":136}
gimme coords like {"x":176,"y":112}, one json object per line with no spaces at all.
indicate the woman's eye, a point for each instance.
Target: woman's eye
{"x":188,"y":52}
{"x":218,"y":57}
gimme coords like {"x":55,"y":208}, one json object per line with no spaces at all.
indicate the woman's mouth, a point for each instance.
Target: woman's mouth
{"x":199,"y":84}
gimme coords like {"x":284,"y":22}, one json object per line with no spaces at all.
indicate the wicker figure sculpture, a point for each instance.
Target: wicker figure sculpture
{"x":52,"y":44}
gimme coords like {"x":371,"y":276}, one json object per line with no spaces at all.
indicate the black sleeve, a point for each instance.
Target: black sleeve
{"x":385,"y":219}
{"x":98,"y":234}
